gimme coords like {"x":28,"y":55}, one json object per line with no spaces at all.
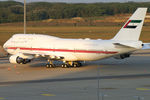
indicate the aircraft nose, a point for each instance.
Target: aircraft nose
{"x":5,"y":45}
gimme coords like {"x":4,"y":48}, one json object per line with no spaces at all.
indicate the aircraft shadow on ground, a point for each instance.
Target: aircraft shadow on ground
{"x":78,"y":79}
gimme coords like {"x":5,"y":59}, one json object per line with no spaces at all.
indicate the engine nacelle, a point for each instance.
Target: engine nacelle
{"x":122,"y":56}
{"x":15,"y":59}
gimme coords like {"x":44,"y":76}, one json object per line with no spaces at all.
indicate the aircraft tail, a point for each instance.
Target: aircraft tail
{"x":132,"y":28}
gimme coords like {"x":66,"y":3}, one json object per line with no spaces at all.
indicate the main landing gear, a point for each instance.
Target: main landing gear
{"x":66,"y":64}
{"x":71,"y":64}
{"x":50,"y":64}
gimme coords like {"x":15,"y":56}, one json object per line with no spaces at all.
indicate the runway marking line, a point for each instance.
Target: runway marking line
{"x":4,"y":85}
{"x":1,"y":98}
{"x":48,"y":95}
{"x":143,"y":89}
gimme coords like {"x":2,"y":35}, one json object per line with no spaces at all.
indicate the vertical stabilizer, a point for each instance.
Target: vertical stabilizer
{"x":132,"y":28}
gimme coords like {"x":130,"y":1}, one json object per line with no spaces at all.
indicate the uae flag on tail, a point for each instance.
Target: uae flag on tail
{"x":132,"y":23}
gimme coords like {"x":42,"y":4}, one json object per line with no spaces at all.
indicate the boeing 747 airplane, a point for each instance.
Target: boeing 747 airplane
{"x":26,"y":47}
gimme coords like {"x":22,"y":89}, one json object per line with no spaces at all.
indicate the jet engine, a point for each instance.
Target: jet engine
{"x":15,"y":59}
{"x":123,"y":56}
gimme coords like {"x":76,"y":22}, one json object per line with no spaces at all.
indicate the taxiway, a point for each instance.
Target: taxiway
{"x":127,"y":79}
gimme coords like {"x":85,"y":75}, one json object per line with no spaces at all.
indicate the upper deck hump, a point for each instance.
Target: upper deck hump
{"x":34,"y":36}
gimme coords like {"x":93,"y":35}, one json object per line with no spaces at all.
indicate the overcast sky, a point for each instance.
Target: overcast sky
{"x":82,"y":1}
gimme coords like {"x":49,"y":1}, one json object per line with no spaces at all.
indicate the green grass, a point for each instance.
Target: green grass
{"x":70,"y":32}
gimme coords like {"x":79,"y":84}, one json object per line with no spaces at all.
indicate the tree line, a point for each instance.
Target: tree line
{"x":12,"y":11}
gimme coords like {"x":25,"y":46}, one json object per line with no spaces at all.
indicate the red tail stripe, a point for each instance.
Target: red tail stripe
{"x":127,"y":24}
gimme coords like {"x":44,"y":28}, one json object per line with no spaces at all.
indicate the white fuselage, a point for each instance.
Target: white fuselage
{"x":70,"y":49}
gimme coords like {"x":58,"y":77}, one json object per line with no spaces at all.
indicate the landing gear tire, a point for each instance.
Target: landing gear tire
{"x":77,"y":64}
{"x":80,"y":64}
{"x":65,"y":66}
{"x":71,"y":64}
{"x":50,"y":66}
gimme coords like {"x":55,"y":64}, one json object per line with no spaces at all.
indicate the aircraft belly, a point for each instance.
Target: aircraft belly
{"x":68,"y":56}
{"x":93,"y":56}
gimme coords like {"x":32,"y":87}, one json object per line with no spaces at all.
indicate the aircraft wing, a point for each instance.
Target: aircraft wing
{"x":46,"y":55}
{"x":146,"y":46}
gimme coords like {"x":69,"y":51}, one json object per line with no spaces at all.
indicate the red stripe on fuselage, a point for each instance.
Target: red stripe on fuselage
{"x":63,"y":50}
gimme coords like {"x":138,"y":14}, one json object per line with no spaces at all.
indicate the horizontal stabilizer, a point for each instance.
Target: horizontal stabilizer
{"x":146,"y":46}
